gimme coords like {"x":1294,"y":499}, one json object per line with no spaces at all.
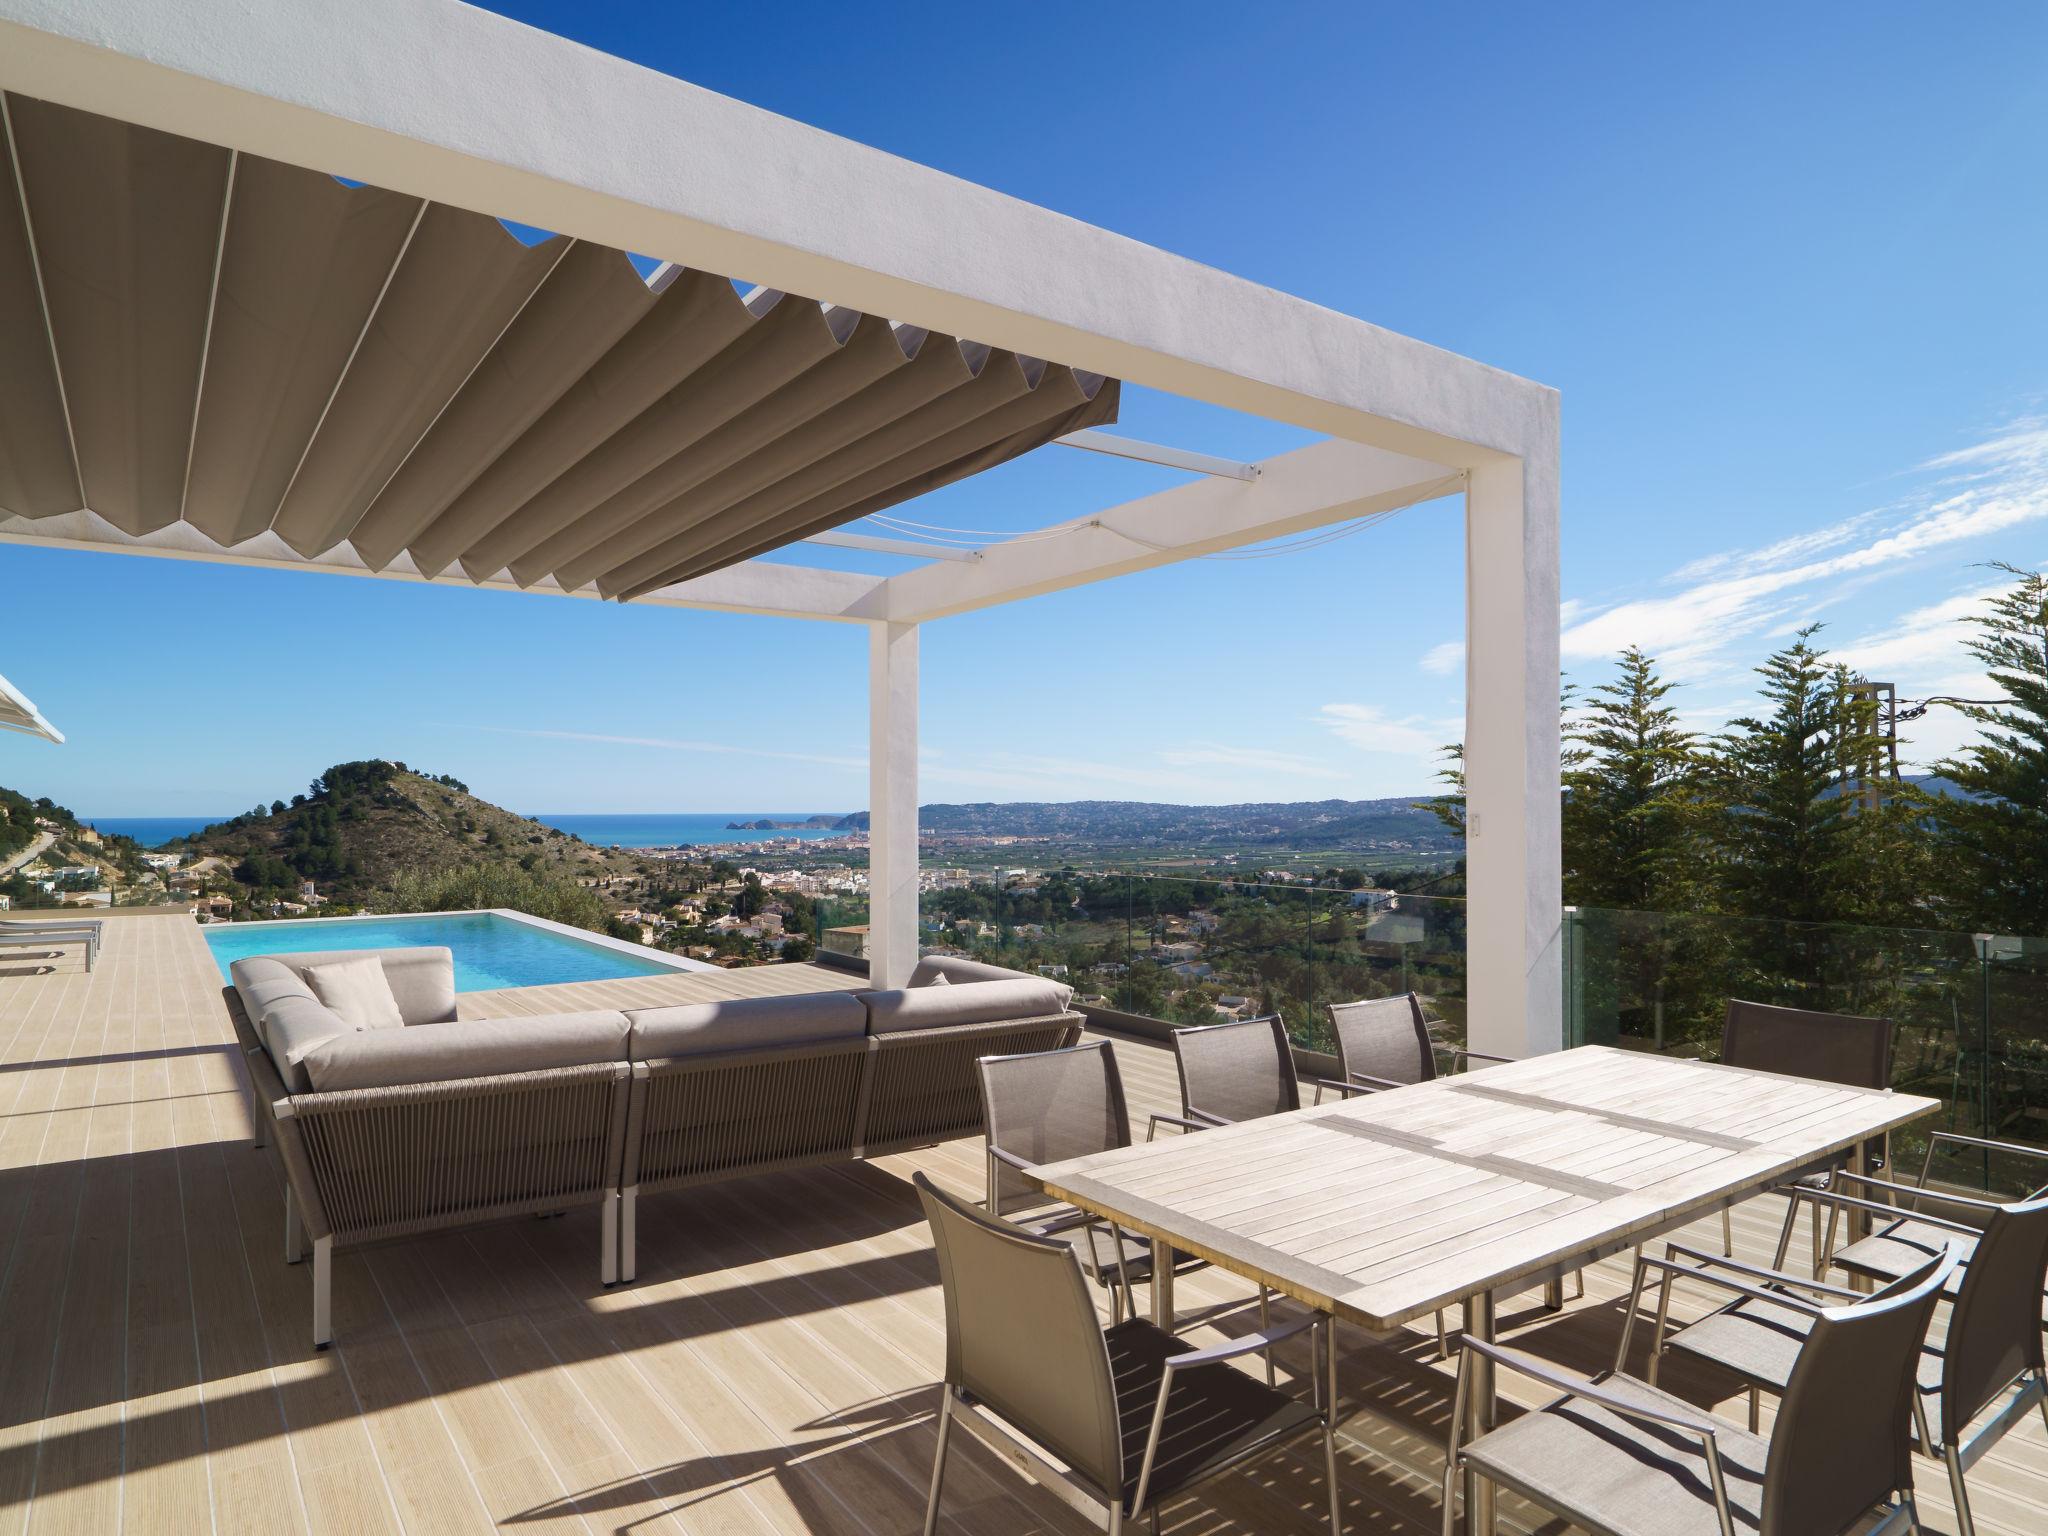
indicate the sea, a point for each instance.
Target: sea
{"x":653,"y":830}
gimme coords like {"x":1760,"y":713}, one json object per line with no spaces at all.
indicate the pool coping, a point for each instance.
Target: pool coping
{"x":661,"y":957}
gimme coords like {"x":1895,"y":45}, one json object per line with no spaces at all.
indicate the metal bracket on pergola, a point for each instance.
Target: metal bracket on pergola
{"x":373,"y":377}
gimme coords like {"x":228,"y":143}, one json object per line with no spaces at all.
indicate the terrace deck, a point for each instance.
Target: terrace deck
{"x":770,"y":1372}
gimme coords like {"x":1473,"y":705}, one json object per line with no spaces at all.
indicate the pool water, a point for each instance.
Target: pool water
{"x":490,"y":950}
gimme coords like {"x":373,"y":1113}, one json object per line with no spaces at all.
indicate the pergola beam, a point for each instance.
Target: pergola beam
{"x":1324,"y":483}
{"x":756,"y":586}
{"x":1118,"y":446}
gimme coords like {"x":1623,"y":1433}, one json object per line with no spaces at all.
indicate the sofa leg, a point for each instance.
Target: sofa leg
{"x":608,"y":1240}
{"x":323,"y":1292}
{"x":254,"y":1100}
{"x":629,"y":1234}
{"x":294,"y":1229}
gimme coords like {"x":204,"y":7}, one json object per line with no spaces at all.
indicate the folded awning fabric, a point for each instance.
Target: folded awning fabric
{"x":244,"y":346}
{"x":18,"y":714}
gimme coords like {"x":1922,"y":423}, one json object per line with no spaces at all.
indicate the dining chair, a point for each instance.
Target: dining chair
{"x":1992,"y":1349}
{"x":1621,"y":1456}
{"x":1045,"y":1107}
{"x":1134,"y":1415}
{"x":1798,"y":1042}
{"x":1243,"y":1070}
{"x":1384,"y":1042}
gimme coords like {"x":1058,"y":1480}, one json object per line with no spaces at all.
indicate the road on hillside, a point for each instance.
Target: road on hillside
{"x":27,"y":855}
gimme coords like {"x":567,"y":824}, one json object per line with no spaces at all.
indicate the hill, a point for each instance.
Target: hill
{"x":1308,"y":824}
{"x":43,"y":833}
{"x":361,"y":826}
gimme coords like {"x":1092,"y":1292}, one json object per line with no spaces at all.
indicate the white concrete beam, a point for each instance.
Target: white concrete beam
{"x":892,"y":804}
{"x":756,"y":586}
{"x":1513,"y":868}
{"x":1326,"y":482}
{"x":436,"y":99}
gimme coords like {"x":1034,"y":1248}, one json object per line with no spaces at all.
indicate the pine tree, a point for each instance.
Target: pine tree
{"x":1794,"y":844}
{"x":1993,"y":838}
{"x":1633,"y":807}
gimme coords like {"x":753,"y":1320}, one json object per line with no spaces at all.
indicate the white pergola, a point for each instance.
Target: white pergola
{"x":19,"y":714}
{"x":438,"y":101}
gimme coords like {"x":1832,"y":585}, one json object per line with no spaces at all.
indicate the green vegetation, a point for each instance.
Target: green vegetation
{"x":469,"y":887}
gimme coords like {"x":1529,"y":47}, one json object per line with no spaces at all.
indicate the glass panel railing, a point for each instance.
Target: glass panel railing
{"x":1191,"y":950}
{"x":1970,"y":1011}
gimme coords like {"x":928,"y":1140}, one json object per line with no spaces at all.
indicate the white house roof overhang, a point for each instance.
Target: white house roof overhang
{"x":18,"y":714}
{"x":449,"y":111}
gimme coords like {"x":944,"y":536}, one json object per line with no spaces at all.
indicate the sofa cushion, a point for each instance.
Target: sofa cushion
{"x":933,"y":969}
{"x":259,"y":981}
{"x":356,"y":989}
{"x":294,"y":1024}
{"x":964,"y":1002}
{"x":422,"y":978}
{"x":739,"y":1023}
{"x":390,"y":1058}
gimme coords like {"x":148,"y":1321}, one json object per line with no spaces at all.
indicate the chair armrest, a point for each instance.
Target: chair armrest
{"x":1208,"y":1119}
{"x":1578,"y":1386}
{"x":1371,"y":1084}
{"x":1880,"y":1208}
{"x":1758,"y":1271}
{"x":1726,"y":1283}
{"x":1002,"y":1156}
{"x":1185,"y":1125}
{"x":1916,"y":1191}
{"x":1250,"y":1343}
{"x":1989,"y":1145}
{"x":1344,"y":1088}
{"x":1471,"y":1055}
{"x":1066,"y":1221}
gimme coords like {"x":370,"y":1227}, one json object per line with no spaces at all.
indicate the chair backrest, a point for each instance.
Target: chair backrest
{"x":1236,"y":1071}
{"x":1047,"y":1106}
{"x":1022,"y":1336}
{"x":1994,"y":1333}
{"x":1840,"y":1445}
{"x":1384,"y":1037}
{"x":1833,"y":1047}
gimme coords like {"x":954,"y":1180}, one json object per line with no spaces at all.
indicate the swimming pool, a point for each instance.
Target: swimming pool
{"x":492,"y":949}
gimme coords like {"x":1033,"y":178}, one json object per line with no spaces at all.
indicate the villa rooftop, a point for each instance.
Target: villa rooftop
{"x":772,"y":1369}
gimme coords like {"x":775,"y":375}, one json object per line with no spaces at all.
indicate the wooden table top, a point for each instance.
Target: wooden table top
{"x":1387,"y":1206}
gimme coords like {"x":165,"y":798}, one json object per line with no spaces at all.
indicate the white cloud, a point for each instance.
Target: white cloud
{"x":1923,"y":642}
{"x":1262,"y":759}
{"x":1988,"y":488}
{"x":1369,"y":728}
{"x":1444,"y":658}
{"x":669,"y":744}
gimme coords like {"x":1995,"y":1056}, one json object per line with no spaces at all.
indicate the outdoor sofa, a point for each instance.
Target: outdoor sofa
{"x":391,"y":1131}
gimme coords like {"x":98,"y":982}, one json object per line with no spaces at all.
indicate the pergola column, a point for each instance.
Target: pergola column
{"x":1512,"y":857}
{"x":892,"y":803}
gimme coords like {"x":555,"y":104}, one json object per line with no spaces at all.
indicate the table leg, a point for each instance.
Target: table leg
{"x":1162,"y":1284}
{"x":1553,"y":1295}
{"x":1479,"y":1415}
{"x":1859,"y":1221}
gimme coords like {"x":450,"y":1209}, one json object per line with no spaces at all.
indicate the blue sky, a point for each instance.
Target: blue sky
{"x":1783,"y":262}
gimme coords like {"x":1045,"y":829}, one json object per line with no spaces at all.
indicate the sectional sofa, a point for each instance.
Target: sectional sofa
{"x":391,"y":1131}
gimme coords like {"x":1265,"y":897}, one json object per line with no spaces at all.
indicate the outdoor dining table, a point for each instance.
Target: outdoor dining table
{"x":1385,"y":1207}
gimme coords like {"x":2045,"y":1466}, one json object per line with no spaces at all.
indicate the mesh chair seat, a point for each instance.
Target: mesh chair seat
{"x":1761,"y":1343}
{"x":1620,"y":1476}
{"x":1214,"y":1417}
{"x":1899,"y":1247}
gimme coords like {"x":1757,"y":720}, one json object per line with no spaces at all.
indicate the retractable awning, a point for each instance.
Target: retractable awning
{"x":264,"y":352}
{"x":18,"y":714}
